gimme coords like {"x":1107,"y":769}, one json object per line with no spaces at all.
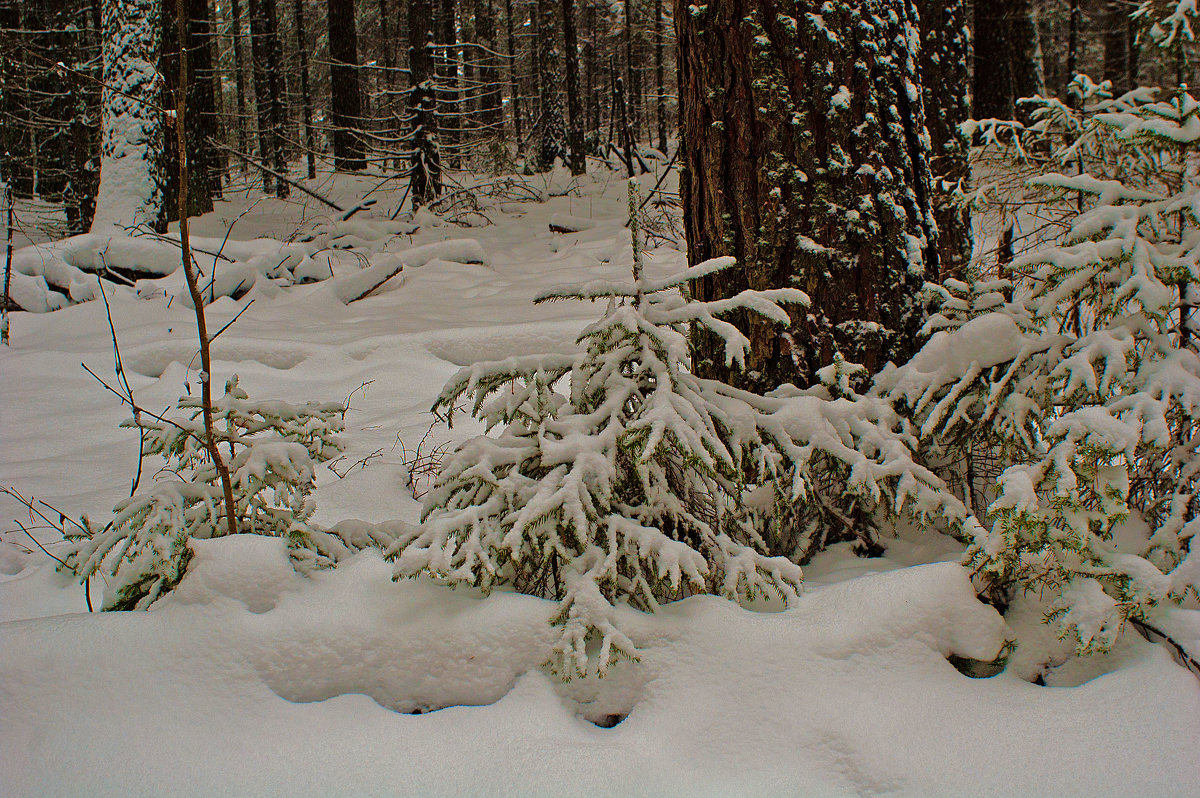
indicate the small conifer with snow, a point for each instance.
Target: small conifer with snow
{"x":626,"y":488}
{"x":272,"y":448}
{"x":1086,"y":384}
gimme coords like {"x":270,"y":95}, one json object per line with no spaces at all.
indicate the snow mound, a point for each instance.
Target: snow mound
{"x":847,"y":693}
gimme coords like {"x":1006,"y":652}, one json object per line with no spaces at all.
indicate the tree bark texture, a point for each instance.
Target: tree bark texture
{"x":945,"y":79}
{"x":806,"y":158}
{"x":346,"y":101}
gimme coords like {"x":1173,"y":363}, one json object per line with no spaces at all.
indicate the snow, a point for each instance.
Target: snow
{"x":253,"y":680}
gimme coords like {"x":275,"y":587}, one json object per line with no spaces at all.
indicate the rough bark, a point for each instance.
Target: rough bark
{"x":131,"y":153}
{"x":993,"y":84}
{"x":306,"y":111}
{"x":551,"y":136}
{"x":806,"y":158}
{"x":346,"y":100}
{"x":945,"y":50}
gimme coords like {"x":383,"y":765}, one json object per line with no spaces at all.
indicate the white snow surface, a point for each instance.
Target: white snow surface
{"x":253,"y":680}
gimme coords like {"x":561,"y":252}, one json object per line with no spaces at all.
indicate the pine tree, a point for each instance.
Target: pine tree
{"x":346,"y":97}
{"x":627,"y":490}
{"x":273,"y":449}
{"x":1083,"y":379}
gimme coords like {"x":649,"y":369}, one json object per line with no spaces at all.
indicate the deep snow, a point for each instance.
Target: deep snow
{"x":251,"y":680}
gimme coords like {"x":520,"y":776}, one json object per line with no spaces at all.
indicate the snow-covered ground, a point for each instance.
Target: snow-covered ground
{"x":252,"y":680}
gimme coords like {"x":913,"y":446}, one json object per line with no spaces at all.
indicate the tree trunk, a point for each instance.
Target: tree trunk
{"x":806,"y":158}
{"x":945,"y":50}
{"x":660,"y":102}
{"x":239,"y":73}
{"x":993,"y":85}
{"x":264,"y":51}
{"x":491,"y":102}
{"x":551,"y":136}
{"x":131,"y":153}
{"x":306,"y":111}
{"x":346,"y":101}
{"x":425,"y":169}
{"x":448,"y":107}
{"x":1029,"y":78}
{"x":514,"y":83}
{"x":576,"y":158}
{"x":201,"y":102}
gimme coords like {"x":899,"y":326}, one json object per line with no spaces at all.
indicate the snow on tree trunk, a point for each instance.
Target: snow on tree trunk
{"x":425,"y":173}
{"x":131,"y":151}
{"x":551,"y":135}
{"x":945,"y":77}
{"x":806,"y":158}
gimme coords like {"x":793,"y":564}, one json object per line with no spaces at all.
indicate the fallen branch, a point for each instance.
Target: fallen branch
{"x":305,"y":189}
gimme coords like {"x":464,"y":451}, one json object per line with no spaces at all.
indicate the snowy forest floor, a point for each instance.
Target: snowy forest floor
{"x":252,"y":680}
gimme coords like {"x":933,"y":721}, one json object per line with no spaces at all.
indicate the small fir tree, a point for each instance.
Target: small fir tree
{"x":627,"y":489}
{"x":273,"y":447}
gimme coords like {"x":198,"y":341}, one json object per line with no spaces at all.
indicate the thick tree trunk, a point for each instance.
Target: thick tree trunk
{"x":306,"y":111}
{"x":993,"y":86}
{"x":551,"y":136}
{"x":945,"y":50}
{"x":131,"y":152}
{"x":446,"y":36}
{"x":1029,"y":78}
{"x":239,"y":75}
{"x":1116,"y":45}
{"x":1008,"y":58}
{"x":491,"y":101}
{"x":346,"y":101}
{"x":806,"y":158}
{"x":514,"y":83}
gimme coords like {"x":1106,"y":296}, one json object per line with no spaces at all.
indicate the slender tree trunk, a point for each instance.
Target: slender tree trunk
{"x":577,"y":159}
{"x":346,"y":107}
{"x":306,"y":111}
{"x":189,"y":270}
{"x":660,"y":84}
{"x":202,"y":168}
{"x":264,"y":49}
{"x":239,"y":75}
{"x":425,"y":169}
{"x":806,"y":158}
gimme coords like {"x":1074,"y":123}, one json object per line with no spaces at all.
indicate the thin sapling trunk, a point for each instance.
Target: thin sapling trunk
{"x":189,"y":271}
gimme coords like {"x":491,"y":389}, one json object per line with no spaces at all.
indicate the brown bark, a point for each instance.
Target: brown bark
{"x":804,"y":158}
{"x":346,"y":101}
